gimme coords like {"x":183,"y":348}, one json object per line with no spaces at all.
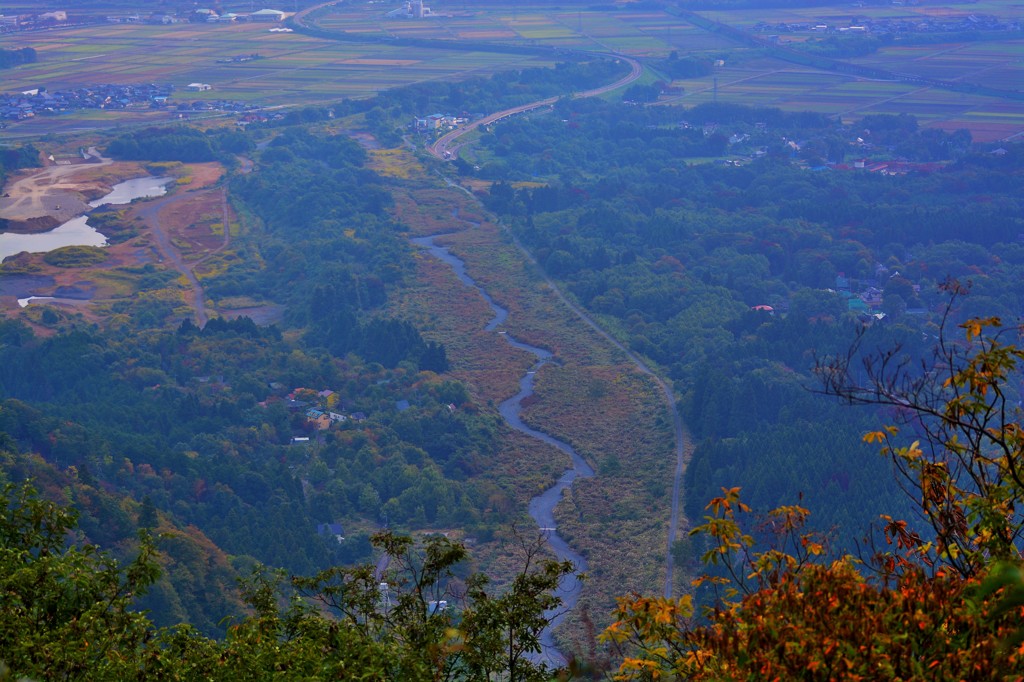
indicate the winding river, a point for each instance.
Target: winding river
{"x":542,"y":507}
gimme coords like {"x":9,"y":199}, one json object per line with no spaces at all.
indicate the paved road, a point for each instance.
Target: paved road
{"x":446,"y":148}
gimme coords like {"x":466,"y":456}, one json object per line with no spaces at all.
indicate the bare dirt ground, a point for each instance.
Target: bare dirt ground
{"x":172,"y":222}
{"x":40,"y":199}
{"x":174,"y":231}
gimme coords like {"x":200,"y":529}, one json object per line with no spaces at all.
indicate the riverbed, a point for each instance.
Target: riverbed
{"x":541,"y":507}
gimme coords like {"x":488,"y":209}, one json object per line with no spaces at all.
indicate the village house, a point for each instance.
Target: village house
{"x":432,"y":122}
{"x":318,"y":418}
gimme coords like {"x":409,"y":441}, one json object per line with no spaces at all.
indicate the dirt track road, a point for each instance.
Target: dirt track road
{"x":150,"y":213}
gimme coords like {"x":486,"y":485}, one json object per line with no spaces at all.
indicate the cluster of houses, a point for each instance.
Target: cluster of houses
{"x":438,"y":122}
{"x":204,"y":15}
{"x":865,"y":296}
{"x":21,"y":22}
{"x":890,"y":167}
{"x":242,"y":108}
{"x":17,"y":22}
{"x":240,"y":58}
{"x":21,"y":105}
{"x":750,"y":146}
{"x":896,"y":25}
{"x":17,"y":106}
{"x":413,"y":9}
{"x":321,"y":408}
{"x":214,"y":17}
{"x":331,"y":530}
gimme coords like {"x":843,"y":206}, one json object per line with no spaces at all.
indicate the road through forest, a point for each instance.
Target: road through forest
{"x":445,"y":145}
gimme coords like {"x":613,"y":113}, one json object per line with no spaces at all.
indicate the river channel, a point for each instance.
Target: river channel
{"x":77,"y":231}
{"x":542,"y":507}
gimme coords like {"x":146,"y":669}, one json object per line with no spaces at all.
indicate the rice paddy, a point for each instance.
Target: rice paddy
{"x":295,"y":69}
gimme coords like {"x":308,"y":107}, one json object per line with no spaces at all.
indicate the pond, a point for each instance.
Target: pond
{"x":77,"y":231}
{"x":136,"y":188}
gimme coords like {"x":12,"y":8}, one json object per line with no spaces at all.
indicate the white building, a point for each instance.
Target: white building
{"x":413,"y":9}
{"x":199,"y":87}
{"x":267,"y":15}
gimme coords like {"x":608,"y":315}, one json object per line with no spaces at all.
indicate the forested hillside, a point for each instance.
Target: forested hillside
{"x":735,"y":249}
{"x":200,"y":424}
{"x":735,"y":279}
{"x":244,"y":444}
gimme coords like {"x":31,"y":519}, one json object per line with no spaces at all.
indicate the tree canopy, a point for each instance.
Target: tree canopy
{"x":943,"y":604}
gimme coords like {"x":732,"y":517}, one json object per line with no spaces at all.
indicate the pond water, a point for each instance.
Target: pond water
{"x":23,"y":302}
{"x":136,"y":188}
{"x":77,"y":231}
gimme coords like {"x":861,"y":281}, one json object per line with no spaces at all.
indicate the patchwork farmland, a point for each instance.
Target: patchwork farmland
{"x":293,"y":69}
{"x":297,"y":69}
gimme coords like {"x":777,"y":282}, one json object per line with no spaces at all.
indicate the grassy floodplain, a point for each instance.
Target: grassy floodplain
{"x":593,"y":398}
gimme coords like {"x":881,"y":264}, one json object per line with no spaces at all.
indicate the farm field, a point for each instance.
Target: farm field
{"x":295,"y":69}
{"x":635,"y":32}
{"x":949,"y":60}
{"x":793,"y":88}
{"x":997,"y":63}
{"x":994,"y":64}
{"x":841,"y":12}
{"x":748,"y":77}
